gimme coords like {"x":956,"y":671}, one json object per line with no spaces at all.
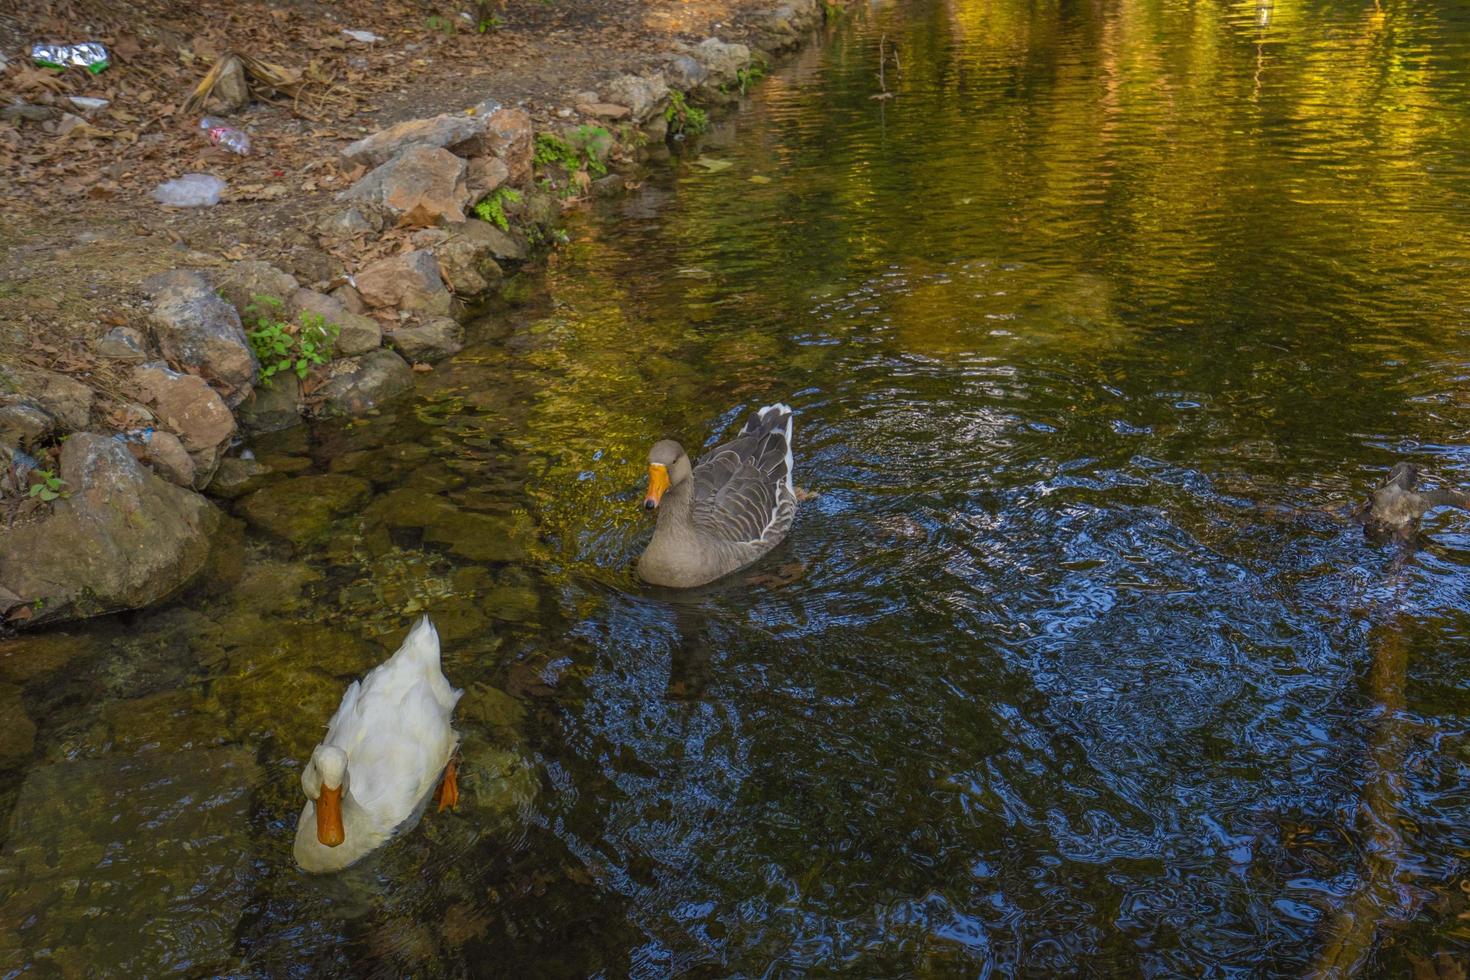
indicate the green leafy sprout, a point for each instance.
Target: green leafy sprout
{"x":280,"y":345}
{"x":50,"y":488}
{"x":749,"y":75}
{"x":684,"y":118}
{"x":492,"y":207}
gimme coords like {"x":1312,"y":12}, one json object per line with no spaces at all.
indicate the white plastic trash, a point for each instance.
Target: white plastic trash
{"x":366,"y":37}
{"x":190,"y":191}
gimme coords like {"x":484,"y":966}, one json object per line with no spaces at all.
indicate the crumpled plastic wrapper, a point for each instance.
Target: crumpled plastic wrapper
{"x":89,"y":55}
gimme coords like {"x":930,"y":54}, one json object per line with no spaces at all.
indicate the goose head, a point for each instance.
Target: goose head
{"x":668,"y":466}
{"x":325,"y":780}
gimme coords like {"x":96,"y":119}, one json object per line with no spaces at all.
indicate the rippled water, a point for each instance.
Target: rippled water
{"x":1071,"y":666}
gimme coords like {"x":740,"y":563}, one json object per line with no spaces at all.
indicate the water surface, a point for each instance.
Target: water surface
{"x":1071,"y":666}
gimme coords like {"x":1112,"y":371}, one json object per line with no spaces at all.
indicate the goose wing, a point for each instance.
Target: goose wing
{"x":743,"y":491}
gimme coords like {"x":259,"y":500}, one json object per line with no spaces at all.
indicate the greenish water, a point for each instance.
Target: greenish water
{"x":1069,"y":667}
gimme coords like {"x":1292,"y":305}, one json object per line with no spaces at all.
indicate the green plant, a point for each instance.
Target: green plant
{"x":684,"y":118}
{"x":50,"y":487}
{"x":492,"y":207}
{"x":492,"y":23}
{"x":441,"y":24}
{"x":583,"y":148}
{"x":280,"y":345}
{"x":582,"y":152}
{"x":749,"y":75}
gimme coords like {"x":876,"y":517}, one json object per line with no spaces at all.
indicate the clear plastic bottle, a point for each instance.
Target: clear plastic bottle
{"x":223,"y":135}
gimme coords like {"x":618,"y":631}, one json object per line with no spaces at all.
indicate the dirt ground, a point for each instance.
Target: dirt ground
{"x":78,"y":227}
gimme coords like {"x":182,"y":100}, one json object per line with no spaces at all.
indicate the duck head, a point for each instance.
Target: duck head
{"x":325,"y":780}
{"x":668,"y":466}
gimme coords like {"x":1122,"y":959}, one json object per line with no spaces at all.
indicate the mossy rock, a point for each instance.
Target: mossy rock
{"x":458,"y":618}
{"x":236,"y":477}
{"x":28,"y":657}
{"x":483,"y":537}
{"x":513,"y":603}
{"x":492,"y":708}
{"x":168,"y":721}
{"x":275,"y":585}
{"x":18,"y":734}
{"x":302,"y":510}
{"x":106,"y":861}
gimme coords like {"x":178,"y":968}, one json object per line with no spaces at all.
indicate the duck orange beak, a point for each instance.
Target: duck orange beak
{"x":329,"y":817}
{"x":658,"y":482}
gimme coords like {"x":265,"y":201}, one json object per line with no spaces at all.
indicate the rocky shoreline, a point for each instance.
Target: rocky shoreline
{"x":249,"y":348}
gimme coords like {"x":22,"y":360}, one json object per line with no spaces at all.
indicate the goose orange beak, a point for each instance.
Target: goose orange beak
{"x":329,"y":817}
{"x":658,"y":482}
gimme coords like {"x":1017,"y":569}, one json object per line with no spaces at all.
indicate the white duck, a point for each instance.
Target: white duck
{"x":386,"y":746}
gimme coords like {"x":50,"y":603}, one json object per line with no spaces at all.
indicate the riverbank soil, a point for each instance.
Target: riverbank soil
{"x":79,"y":230}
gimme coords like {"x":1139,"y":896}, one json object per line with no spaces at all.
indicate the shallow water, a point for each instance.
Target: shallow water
{"x":1071,"y":666}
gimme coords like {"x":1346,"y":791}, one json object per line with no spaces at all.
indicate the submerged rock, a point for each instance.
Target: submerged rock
{"x":359,"y":384}
{"x":122,"y":538}
{"x":197,"y":329}
{"x":429,"y":341}
{"x":408,"y":281}
{"x":272,"y":406}
{"x":237,"y":477}
{"x":483,"y":537}
{"x":18,"y":734}
{"x":143,"y":863}
{"x":301,"y":510}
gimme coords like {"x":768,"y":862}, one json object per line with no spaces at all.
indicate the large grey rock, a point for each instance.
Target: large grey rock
{"x":132,"y":865}
{"x":407,"y":281}
{"x":485,"y":175}
{"x":165,"y":453}
{"x":246,"y":280}
{"x":122,"y":538}
{"x":429,"y":341}
{"x":424,"y":181}
{"x":356,"y":334}
{"x":66,"y":400}
{"x":359,"y":384}
{"x":502,"y":246}
{"x":195,"y":328}
{"x":509,"y":138}
{"x":722,"y":60}
{"x":456,"y":132}
{"x":24,"y":423}
{"x":123,"y":345}
{"x":467,"y":258}
{"x":187,"y":406}
{"x":685,"y":73}
{"x":643,"y":95}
